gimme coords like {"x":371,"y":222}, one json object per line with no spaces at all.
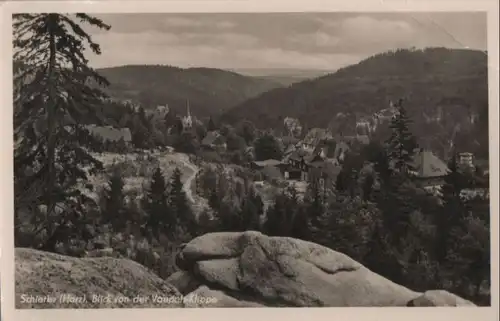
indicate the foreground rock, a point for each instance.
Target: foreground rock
{"x":58,"y":281}
{"x":250,"y":269}
{"x":439,"y":298}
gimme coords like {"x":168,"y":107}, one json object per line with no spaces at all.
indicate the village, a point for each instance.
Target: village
{"x":319,"y":155}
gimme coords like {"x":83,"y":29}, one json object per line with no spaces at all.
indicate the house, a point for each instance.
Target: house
{"x":110,"y":134}
{"x":465,"y":160}
{"x":314,"y":137}
{"x":295,"y":165}
{"x":268,"y":162}
{"x":214,"y":141}
{"x":428,"y":170}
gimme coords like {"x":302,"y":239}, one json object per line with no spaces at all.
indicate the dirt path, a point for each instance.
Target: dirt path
{"x":187,"y":184}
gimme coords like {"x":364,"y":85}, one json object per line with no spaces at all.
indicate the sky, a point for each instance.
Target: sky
{"x":312,"y":41}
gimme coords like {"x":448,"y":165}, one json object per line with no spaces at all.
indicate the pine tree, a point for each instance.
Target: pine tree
{"x":114,"y":212}
{"x":52,"y":92}
{"x":178,"y":203}
{"x":140,"y":135}
{"x":278,"y":222}
{"x":160,"y":217}
{"x":401,"y":143}
{"x":249,"y":215}
{"x":314,"y":203}
{"x":382,"y":167}
{"x":267,"y":147}
{"x":368,"y":187}
{"x":211,"y":125}
{"x":453,"y":209}
{"x":143,"y":118}
{"x":300,"y":224}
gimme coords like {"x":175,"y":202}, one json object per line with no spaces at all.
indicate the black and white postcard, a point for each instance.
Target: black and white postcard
{"x":171,"y":157}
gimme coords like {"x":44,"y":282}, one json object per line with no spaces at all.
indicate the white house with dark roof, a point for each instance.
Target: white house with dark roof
{"x":429,"y":170}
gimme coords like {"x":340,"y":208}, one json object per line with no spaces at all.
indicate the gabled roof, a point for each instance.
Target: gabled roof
{"x":267,"y":162}
{"x":428,"y":165}
{"x":110,"y":133}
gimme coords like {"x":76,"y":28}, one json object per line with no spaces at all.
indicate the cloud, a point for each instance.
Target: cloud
{"x":358,"y":34}
{"x":369,"y":28}
{"x":300,"y":40}
{"x":318,"y":39}
{"x":182,"y":22}
{"x":225,"y":24}
{"x":228,"y":39}
{"x":280,"y":58}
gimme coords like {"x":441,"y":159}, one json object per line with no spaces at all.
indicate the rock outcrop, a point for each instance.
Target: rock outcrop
{"x":240,"y":269}
{"x":439,"y":298}
{"x":48,"y":280}
{"x":249,"y":269}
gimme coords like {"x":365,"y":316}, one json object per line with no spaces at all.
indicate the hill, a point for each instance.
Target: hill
{"x":209,"y":90}
{"x":445,"y":91}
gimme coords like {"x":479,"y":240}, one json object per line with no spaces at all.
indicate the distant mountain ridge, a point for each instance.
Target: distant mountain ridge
{"x":441,"y":88}
{"x":284,"y":76}
{"x":209,"y":91}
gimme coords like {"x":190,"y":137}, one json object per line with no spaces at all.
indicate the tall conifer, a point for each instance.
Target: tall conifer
{"x":54,"y":89}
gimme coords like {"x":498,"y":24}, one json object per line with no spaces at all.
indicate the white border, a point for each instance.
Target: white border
{"x":6,"y":158}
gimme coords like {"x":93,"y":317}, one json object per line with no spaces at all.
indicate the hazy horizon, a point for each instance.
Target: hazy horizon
{"x":280,"y":41}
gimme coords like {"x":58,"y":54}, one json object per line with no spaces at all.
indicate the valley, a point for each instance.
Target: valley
{"x":273,"y":158}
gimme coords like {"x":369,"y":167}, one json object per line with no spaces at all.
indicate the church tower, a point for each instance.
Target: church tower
{"x":187,"y":121}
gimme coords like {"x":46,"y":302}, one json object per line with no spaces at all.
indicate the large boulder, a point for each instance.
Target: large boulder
{"x":259,"y":270}
{"x":48,"y":280}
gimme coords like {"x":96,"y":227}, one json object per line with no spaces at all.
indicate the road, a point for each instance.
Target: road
{"x":187,"y":184}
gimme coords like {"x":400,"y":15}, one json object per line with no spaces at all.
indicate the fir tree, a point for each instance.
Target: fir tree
{"x":278,"y":222}
{"x":114,"y":202}
{"x":211,"y":125}
{"x":160,"y":218}
{"x":250,"y":214}
{"x":452,"y":211}
{"x":143,"y":118}
{"x":314,"y":203}
{"x":368,"y":187}
{"x":52,"y":92}
{"x":401,"y":143}
{"x":140,"y":134}
{"x":179,"y":203}
{"x":267,"y":147}
{"x":300,"y":224}
{"x":382,"y":167}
